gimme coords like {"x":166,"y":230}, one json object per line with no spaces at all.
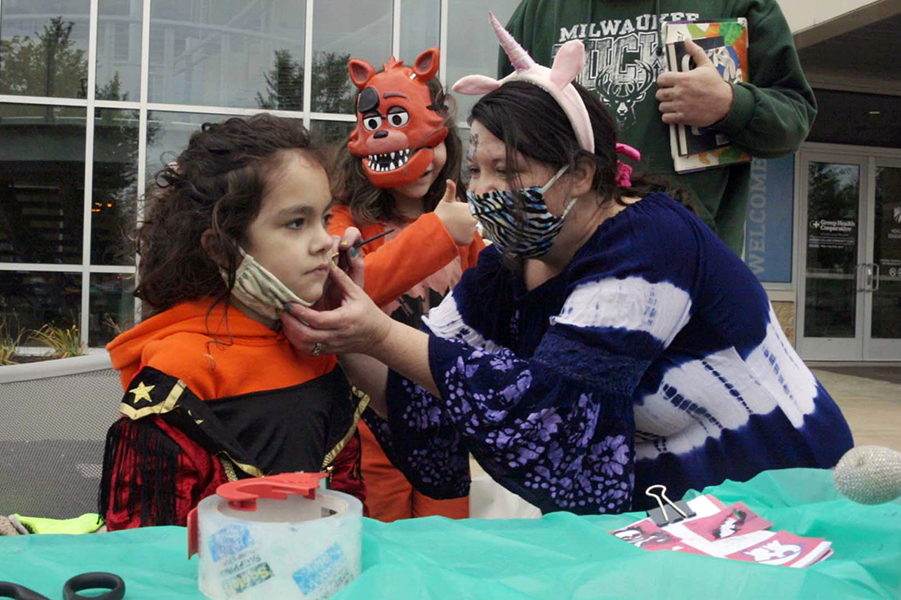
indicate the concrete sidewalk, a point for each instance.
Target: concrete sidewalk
{"x":872,"y":405}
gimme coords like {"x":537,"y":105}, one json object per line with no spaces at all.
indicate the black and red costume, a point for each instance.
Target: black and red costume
{"x":209,"y":399}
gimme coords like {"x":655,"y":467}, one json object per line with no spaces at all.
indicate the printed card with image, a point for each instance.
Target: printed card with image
{"x":736,"y":520}
{"x":785,"y":549}
{"x":735,"y":532}
{"x":685,"y":549}
{"x":645,"y":534}
{"x":648,"y":536}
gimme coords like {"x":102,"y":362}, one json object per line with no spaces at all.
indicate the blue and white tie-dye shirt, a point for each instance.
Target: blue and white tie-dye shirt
{"x":653,"y":358}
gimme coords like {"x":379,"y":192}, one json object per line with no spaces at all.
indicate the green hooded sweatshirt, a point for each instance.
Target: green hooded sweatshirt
{"x":770,"y":116}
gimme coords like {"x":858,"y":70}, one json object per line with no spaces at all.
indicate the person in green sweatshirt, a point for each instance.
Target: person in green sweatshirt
{"x":768,"y":117}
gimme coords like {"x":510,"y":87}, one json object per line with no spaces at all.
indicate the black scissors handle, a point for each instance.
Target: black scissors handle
{"x":85,"y":581}
{"x":97,"y":580}
{"x":18,"y":592}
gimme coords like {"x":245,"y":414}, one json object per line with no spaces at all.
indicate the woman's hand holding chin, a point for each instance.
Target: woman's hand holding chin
{"x":354,"y":324}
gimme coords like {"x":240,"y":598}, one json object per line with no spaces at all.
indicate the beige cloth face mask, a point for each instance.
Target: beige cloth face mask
{"x":259,"y":290}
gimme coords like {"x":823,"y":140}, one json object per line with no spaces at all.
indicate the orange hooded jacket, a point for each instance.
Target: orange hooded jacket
{"x":208,"y":399}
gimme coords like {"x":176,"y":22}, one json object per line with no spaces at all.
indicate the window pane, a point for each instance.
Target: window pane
{"x":171,"y":132}
{"x":420,"y":22}
{"x":340,"y":34}
{"x":832,"y":237}
{"x":44,"y":48}
{"x":41,"y":183}
{"x":333,"y":132}
{"x":227,"y":53}
{"x":472,"y":46}
{"x":30,"y":300}
{"x":119,"y":49}
{"x":112,"y":307}
{"x":115,"y":189}
{"x":887,"y":254}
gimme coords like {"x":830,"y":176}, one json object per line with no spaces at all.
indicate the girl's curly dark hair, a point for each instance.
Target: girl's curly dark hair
{"x":217,"y":183}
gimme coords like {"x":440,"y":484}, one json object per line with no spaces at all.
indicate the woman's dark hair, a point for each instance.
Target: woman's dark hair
{"x":217,"y":183}
{"x":369,"y":204}
{"x":529,"y":121}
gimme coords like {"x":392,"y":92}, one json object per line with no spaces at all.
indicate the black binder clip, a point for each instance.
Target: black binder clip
{"x":678,"y":510}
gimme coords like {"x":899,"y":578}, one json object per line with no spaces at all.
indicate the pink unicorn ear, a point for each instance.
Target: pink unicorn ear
{"x":476,"y":84}
{"x":568,"y":63}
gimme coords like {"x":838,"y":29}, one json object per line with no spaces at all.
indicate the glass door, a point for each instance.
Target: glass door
{"x":883,"y":318}
{"x":850,"y":256}
{"x":832,"y":253}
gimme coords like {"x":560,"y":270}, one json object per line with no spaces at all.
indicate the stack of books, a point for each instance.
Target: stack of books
{"x":726,"y":43}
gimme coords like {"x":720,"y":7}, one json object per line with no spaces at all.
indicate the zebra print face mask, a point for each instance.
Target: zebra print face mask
{"x":529,"y":237}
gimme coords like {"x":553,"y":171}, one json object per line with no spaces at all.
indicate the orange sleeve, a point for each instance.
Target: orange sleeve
{"x":342,"y":219}
{"x":470,"y":253}
{"x":393,"y":267}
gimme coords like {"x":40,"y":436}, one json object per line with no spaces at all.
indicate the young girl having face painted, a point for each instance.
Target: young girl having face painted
{"x":401,"y":171}
{"x":235,"y":228}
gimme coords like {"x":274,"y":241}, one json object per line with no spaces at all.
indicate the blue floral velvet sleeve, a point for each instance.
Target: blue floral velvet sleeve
{"x":421,"y":440}
{"x":559,"y":440}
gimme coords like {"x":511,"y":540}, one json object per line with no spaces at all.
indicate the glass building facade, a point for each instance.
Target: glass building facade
{"x":96,"y":95}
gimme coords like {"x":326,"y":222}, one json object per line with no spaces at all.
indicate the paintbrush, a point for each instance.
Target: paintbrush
{"x":361,"y":243}
{"x":372,"y":239}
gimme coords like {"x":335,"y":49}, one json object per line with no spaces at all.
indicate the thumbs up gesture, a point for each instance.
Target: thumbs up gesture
{"x":457,"y":219}
{"x":698,"y":98}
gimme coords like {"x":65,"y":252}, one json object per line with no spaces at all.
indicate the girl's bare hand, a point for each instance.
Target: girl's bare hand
{"x":455,"y":215}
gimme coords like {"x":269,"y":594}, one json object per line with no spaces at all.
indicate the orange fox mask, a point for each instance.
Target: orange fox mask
{"x":397,"y":125}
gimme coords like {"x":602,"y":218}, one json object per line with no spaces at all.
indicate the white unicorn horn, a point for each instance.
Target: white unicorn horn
{"x":519,"y":58}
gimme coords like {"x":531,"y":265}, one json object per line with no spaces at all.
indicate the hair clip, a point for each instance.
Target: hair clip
{"x":624,"y":171}
{"x":660,"y":516}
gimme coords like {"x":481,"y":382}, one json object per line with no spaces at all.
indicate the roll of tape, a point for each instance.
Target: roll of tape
{"x":295,"y":547}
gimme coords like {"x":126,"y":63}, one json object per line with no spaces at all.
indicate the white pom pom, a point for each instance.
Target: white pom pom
{"x":869,"y":474}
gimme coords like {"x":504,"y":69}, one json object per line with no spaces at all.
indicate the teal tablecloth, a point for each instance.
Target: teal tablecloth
{"x":557,"y":556}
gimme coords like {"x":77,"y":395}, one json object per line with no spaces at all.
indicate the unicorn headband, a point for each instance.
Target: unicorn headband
{"x":556,"y":81}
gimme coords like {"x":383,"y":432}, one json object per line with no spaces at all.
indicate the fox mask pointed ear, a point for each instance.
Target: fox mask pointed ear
{"x":426,"y":64}
{"x":360,"y":72}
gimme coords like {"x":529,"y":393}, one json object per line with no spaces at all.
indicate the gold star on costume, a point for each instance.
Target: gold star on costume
{"x":142,"y":392}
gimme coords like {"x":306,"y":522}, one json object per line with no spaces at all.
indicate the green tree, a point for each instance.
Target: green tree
{"x":46,"y":65}
{"x":112,"y":90}
{"x":284,"y":84}
{"x":330,"y":85}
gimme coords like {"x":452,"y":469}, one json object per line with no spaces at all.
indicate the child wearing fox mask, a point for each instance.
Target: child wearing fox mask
{"x":400,"y":170}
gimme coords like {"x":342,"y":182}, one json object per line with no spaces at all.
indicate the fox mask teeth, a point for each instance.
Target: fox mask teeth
{"x":389,"y":161}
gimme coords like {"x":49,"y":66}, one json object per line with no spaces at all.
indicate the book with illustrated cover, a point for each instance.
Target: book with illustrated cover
{"x":726,"y":43}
